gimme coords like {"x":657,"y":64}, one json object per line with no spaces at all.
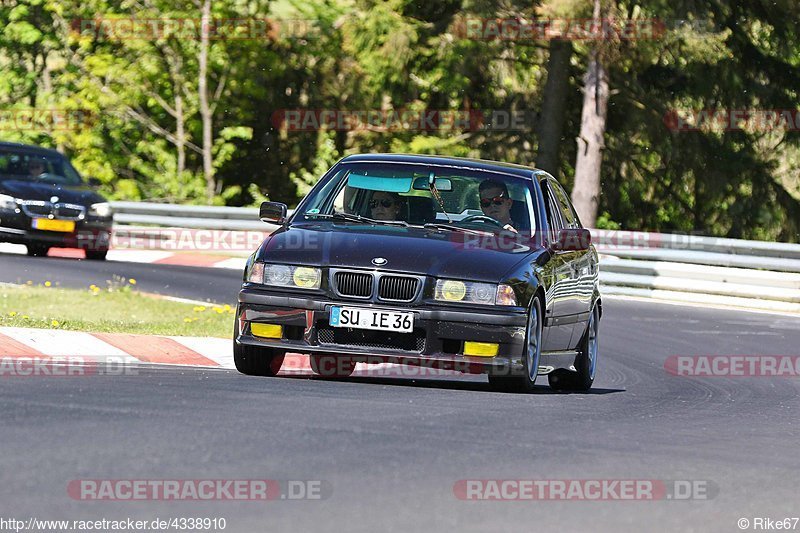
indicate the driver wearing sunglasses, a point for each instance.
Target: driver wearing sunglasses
{"x":385,"y":206}
{"x":496,"y":202}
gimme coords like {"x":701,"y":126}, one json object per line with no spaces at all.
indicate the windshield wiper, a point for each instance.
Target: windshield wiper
{"x":451,"y":227}
{"x":338,"y":215}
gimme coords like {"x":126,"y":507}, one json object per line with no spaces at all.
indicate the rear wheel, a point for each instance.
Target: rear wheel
{"x":330,"y":366}
{"x":37,"y":250}
{"x":256,"y":360}
{"x":526,"y":381}
{"x":585,"y":363}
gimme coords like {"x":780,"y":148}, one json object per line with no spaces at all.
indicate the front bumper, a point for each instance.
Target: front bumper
{"x":437,"y":340}
{"x":91,"y":233}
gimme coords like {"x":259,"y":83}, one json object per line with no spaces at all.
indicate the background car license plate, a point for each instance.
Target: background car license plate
{"x":380,"y":319}
{"x":67,"y":226}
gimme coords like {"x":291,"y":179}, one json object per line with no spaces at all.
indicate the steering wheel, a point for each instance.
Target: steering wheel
{"x":483,"y":218}
{"x":51,"y":178}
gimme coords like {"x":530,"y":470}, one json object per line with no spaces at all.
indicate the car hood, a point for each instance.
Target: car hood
{"x":408,"y":250}
{"x":27,"y":190}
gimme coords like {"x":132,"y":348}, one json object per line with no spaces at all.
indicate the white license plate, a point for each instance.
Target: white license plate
{"x":379,"y":319}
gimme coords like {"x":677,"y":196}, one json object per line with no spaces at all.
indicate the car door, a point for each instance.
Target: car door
{"x":578,"y":301}
{"x":560,"y":324}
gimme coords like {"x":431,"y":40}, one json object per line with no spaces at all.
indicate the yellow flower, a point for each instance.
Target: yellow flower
{"x":132,"y":281}
{"x":47,"y":284}
{"x":54,"y":323}
{"x":12,"y":313}
{"x":199,"y":308}
{"x":187,"y":320}
{"x":227,"y":308}
{"x":94,"y":287}
{"x":25,"y":317}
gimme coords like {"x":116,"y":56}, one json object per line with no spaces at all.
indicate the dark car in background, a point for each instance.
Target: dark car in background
{"x":452,"y":263}
{"x":44,"y":203}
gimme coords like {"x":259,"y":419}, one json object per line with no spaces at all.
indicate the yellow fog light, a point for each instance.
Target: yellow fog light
{"x":481,"y":349}
{"x":266,"y":331}
{"x":307,"y":278}
{"x":454,"y":290}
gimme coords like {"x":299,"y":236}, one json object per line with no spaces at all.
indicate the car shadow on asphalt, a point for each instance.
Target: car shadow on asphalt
{"x":451,"y":384}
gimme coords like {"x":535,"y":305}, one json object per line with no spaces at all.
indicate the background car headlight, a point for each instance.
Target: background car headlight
{"x":8,"y":202}
{"x":103,"y":210}
{"x":450,"y":290}
{"x":301,"y":277}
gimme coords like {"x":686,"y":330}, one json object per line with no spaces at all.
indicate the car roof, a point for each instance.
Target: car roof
{"x":29,"y":148}
{"x":463,"y":162}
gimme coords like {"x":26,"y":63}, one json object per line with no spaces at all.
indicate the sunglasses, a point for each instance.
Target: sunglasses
{"x":384,"y":203}
{"x":497,"y":200}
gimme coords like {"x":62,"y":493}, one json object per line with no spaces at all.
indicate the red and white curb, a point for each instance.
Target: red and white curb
{"x":158,"y":257}
{"x":27,"y":344}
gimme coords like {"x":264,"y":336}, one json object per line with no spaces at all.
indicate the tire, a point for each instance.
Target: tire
{"x":533,"y":342}
{"x":255,"y":360}
{"x":37,"y":250}
{"x":330,"y":366}
{"x":96,"y":255}
{"x":585,"y":362}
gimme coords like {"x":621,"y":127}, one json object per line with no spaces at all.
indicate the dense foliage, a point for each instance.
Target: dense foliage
{"x":145,"y":139}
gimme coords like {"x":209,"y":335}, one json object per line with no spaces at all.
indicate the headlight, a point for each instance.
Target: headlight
{"x":103,"y":210}
{"x":450,"y":290}
{"x":301,"y":277}
{"x":505,"y":296}
{"x":8,"y":202}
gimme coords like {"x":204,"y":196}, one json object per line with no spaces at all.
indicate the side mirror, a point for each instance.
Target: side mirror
{"x":573,"y":240}
{"x":273,"y":213}
{"x":94,"y":182}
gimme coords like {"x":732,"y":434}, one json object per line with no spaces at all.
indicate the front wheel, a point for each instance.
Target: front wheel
{"x":585,"y":363}
{"x":37,"y":250}
{"x":96,"y":255}
{"x":256,"y":360}
{"x":533,"y":352}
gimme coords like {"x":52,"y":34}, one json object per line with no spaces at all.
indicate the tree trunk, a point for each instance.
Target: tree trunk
{"x":554,"y":104}
{"x":180,"y":135}
{"x":586,"y":192}
{"x":205,"y":108}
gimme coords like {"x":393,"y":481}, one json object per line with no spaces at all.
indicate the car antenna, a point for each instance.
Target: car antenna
{"x":435,"y":192}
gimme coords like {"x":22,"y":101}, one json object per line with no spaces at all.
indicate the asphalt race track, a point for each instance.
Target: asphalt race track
{"x":390,"y":451}
{"x":218,"y":285}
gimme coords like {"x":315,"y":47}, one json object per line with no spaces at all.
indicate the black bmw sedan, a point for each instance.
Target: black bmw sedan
{"x":44,"y":203}
{"x":449,"y":263}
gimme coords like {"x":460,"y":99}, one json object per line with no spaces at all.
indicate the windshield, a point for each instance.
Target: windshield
{"x":425,"y":194}
{"x":36,"y":167}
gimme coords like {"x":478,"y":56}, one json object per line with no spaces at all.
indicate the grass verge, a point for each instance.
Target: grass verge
{"x":117,"y":308}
